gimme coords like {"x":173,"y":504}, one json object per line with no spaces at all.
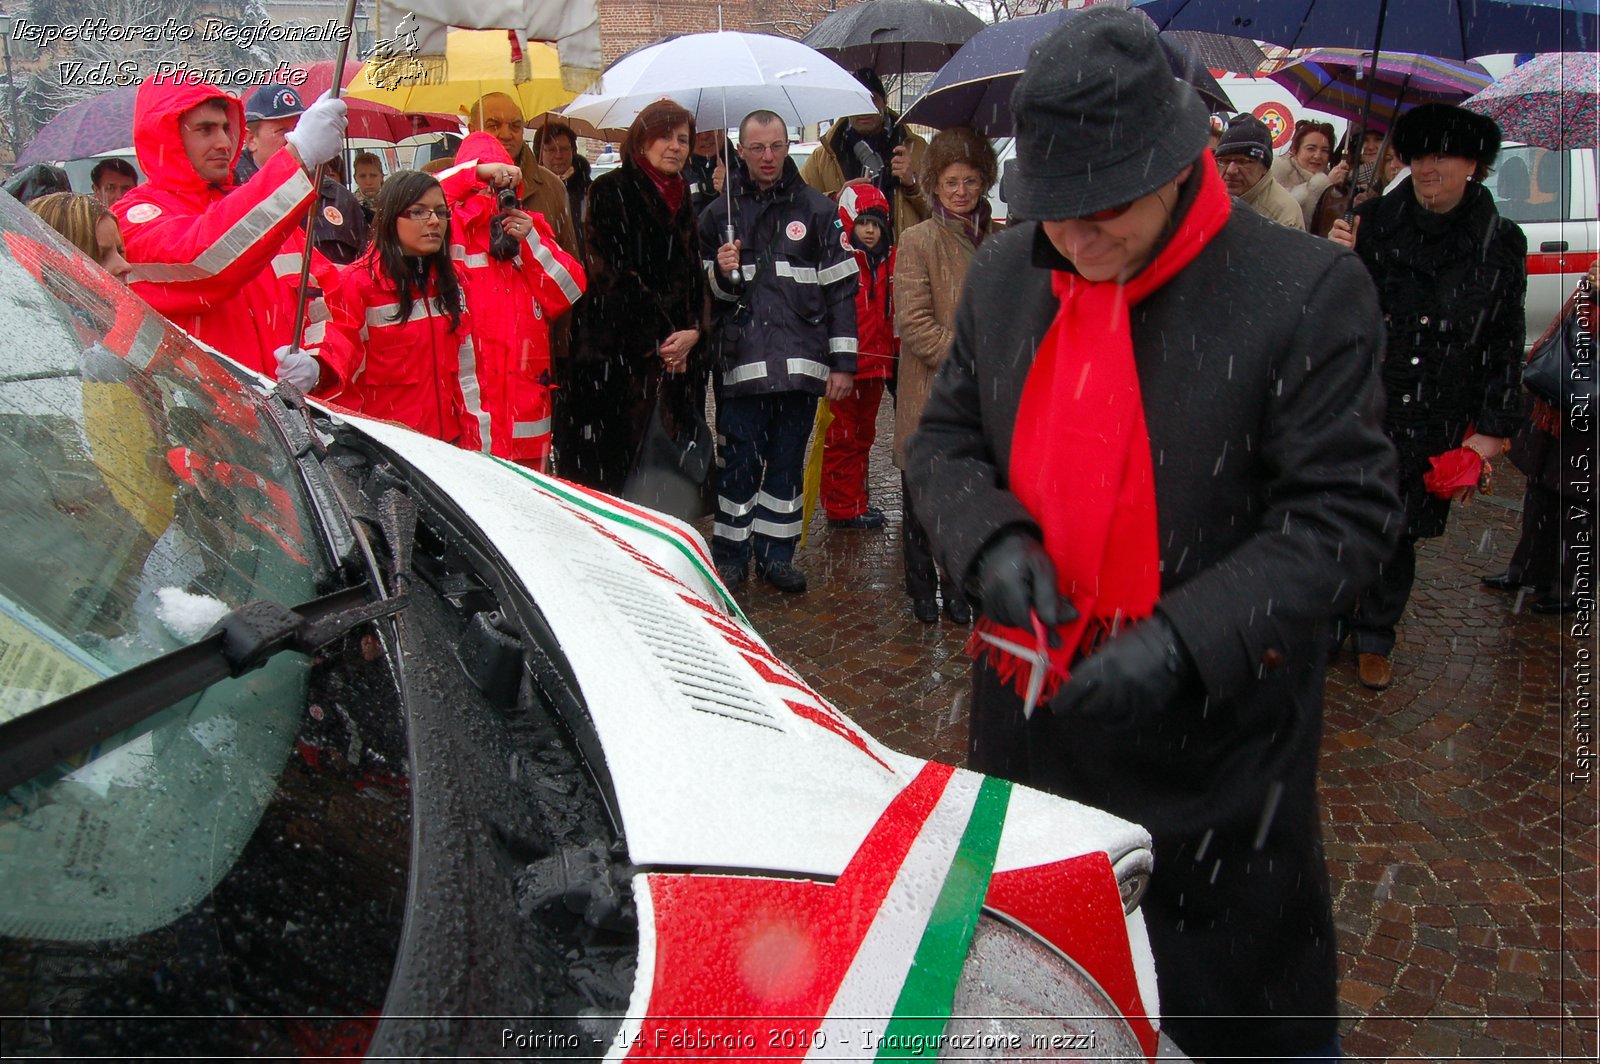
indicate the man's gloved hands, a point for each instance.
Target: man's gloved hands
{"x":299,"y":368}
{"x":1016,"y":576}
{"x":319,"y":135}
{"x":1138,"y":672}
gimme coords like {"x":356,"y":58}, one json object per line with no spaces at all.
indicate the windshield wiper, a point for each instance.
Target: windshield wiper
{"x":244,"y":639}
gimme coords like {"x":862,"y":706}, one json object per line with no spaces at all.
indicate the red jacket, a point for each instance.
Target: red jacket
{"x":419,"y":372}
{"x":877,"y":346}
{"x":222,"y":261}
{"x":512,"y":302}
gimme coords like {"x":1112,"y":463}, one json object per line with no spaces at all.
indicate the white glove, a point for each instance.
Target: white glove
{"x":299,"y":368}
{"x":319,"y":134}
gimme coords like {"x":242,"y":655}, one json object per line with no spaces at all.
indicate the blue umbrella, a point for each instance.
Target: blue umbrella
{"x":1450,"y":29}
{"x":974,"y":88}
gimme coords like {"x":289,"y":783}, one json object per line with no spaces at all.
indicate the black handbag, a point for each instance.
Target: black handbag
{"x":670,"y":471}
{"x":1556,"y":373}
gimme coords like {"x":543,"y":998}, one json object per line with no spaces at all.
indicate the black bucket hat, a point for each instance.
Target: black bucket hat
{"x":1441,"y":129}
{"x":1100,"y":120}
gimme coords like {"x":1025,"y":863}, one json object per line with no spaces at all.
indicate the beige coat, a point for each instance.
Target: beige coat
{"x":1271,"y":200}
{"x":1304,"y":186}
{"x":929,"y":270}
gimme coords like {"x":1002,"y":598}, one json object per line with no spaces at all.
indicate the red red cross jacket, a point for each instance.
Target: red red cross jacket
{"x":512,"y":302}
{"x":877,"y":346}
{"x":419,"y":372}
{"x":222,"y":261}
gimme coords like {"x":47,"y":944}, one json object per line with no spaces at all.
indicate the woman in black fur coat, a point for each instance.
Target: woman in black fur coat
{"x":1451,"y":276}
{"x":640,"y":323}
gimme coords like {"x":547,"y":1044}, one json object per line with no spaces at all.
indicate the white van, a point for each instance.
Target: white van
{"x":1553,"y":196}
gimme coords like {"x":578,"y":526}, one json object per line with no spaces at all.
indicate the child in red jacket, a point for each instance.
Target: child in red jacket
{"x":864,"y":212}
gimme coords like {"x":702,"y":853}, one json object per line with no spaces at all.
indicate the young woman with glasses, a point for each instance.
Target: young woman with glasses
{"x":401,"y":321}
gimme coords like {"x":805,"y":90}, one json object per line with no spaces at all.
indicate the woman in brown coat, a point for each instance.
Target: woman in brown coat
{"x":960,"y":168}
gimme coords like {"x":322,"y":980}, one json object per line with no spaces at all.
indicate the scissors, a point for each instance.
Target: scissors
{"x":1037,"y":657}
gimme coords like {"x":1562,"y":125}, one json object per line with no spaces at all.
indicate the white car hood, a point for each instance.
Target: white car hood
{"x":721,"y":756}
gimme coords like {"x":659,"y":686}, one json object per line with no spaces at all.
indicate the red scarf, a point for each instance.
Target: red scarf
{"x":672,"y":187}
{"x":1080,"y":453}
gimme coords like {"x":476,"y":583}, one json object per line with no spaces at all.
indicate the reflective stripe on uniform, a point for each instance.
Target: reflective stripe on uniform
{"x":383,"y":315}
{"x":734,"y":509}
{"x":780,"y":506}
{"x":842,"y":344}
{"x":558,"y":273}
{"x":807,"y":367}
{"x":315,"y":332}
{"x":714,"y":275}
{"x":467,"y":370}
{"x":458,"y":252}
{"x":777,"y":529}
{"x":739,"y":374}
{"x":722,"y":531}
{"x":146,"y":341}
{"x":231,"y":245}
{"x":530,"y":430}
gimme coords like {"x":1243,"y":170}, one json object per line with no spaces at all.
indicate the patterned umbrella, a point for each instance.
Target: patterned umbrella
{"x":1335,"y":80}
{"x":1547,"y":102}
{"x":99,"y":124}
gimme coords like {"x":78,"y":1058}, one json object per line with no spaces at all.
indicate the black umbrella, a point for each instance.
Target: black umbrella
{"x":974,"y":88}
{"x":894,"y":36}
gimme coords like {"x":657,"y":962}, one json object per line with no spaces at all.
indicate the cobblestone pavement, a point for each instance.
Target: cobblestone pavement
{"x":1463,"y":857}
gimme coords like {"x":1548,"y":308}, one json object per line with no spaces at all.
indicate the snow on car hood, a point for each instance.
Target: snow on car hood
{"x":721,"y":755}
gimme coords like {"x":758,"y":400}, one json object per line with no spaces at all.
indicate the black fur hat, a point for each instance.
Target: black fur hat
{"x":1441,"y":129}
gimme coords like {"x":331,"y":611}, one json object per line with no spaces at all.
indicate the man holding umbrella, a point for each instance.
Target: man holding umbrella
{"x":1161,"y":486}
{"x":783,"y":288}
{"x":873,"y":148}
{"x":223,"y":260}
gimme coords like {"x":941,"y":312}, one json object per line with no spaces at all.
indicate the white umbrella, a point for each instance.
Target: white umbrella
{"x":720,"y":78}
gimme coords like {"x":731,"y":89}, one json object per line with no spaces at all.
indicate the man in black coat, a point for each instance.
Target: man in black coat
{"x":1266,"y":500}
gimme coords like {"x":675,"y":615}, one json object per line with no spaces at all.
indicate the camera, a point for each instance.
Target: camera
{"x":502,"y":245}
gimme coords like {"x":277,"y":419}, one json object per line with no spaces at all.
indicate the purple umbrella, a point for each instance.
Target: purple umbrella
{"x":1337,"y":80}
{"x":1547,"y":102}
{"x":89,"y":127}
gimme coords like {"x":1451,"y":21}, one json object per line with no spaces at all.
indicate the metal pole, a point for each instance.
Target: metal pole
{"x":11,"y":91}
{"x":335,"y":91}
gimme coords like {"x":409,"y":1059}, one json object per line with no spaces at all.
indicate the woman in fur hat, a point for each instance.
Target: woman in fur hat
{"x":1451,"y":276}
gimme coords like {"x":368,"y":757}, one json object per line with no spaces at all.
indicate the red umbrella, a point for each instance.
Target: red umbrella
{"x":369,"y":120}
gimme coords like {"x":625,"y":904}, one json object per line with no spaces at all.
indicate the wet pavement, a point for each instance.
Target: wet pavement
{"x":1463,"y":856}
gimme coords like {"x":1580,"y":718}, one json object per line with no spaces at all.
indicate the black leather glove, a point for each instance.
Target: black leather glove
{"x":1015,"y":575}
{"x":1138,"y":672}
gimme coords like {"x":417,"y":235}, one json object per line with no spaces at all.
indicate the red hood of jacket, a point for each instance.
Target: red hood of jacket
{"x":157,"y":141}
{"x":855,"y":199}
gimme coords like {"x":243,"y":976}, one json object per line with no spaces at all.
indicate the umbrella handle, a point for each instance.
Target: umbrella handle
{"x":335,"y":91}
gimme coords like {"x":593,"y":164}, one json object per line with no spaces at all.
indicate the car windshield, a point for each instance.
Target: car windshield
{"x":143,"y":493}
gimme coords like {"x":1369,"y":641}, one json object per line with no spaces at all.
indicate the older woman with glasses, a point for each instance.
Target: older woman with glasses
{"x":934,"y":255}
{"x":401,"y":324}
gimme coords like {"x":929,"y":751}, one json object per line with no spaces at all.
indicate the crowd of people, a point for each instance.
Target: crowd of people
{"x":1168,"y":500}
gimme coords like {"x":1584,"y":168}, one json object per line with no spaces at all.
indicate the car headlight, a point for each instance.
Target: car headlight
{"x":1020,"y":999}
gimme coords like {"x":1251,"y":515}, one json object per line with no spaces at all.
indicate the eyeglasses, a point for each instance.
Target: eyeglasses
{"x":420,"y":214}
{"x":966,"y":184}
{"x":759,"y":150}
